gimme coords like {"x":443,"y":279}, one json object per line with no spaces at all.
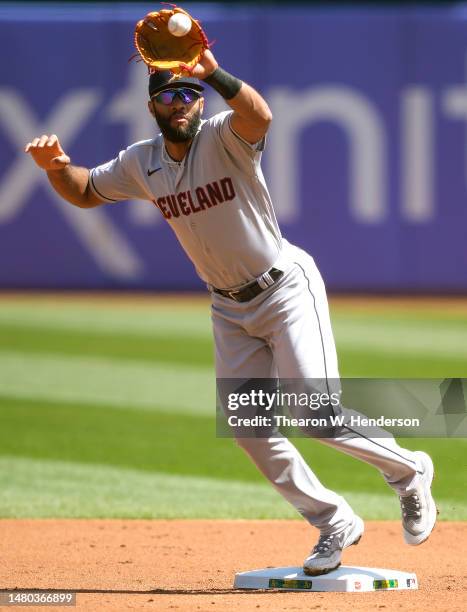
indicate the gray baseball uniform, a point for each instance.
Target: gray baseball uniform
{"x":217,"y":203}
{"x":219,"y":184}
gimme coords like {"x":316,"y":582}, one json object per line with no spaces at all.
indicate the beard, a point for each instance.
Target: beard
{"x":179,"y":133}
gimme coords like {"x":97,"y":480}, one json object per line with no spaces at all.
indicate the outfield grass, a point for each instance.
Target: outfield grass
{"x":108,"y":410}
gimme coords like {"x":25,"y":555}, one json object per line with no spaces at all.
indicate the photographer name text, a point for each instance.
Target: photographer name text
{"x":280,"y":420}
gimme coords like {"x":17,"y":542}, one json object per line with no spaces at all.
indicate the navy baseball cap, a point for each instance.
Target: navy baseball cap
{"x":165,"y":79}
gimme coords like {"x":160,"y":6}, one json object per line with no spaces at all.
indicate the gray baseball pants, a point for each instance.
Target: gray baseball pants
{"x":286,"y":332}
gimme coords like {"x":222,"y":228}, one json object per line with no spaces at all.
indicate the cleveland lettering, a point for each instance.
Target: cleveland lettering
{"x":185,"y":203}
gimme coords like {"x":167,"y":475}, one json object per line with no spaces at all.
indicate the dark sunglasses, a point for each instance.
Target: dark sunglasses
{"x":168,"y":95}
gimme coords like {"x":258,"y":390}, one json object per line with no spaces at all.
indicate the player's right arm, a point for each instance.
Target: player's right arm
{"x":71,"y":182}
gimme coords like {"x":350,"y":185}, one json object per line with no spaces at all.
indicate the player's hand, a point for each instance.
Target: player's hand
{"x":206,"y":65}
{"x":47,"y":152}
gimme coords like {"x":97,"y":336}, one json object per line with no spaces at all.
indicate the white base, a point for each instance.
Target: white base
{"x":343,"y":579}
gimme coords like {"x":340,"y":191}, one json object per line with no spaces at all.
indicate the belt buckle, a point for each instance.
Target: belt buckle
{"x":232,"y":294}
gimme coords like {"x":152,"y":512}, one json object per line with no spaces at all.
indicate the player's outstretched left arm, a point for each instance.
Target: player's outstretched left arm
{"x":252,"y":115}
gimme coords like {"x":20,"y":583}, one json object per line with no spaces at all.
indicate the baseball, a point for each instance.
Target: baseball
{"x":179,"y":24}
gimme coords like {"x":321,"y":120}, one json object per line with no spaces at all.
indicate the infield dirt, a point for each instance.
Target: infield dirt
{"x":189,"y":565}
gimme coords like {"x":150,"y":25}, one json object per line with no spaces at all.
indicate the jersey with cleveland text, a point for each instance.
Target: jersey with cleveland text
{"x":215,"y":200}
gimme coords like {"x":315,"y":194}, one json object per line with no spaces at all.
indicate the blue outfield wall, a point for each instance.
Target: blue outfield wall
{"x":366,"y":158}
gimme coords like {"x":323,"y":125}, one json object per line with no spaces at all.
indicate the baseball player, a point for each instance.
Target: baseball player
{"x":269,"y":307}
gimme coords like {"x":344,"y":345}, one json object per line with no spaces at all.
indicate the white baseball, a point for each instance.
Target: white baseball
{"x":179,"y":24}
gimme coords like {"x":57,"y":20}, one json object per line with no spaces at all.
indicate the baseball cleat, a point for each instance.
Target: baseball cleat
{"x":326,"y":554}
{"x":418,"y":507}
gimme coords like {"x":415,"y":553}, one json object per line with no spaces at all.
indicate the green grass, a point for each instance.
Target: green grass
{"x":372,"y":364}
{"x":109,"y":411}
{"x":50,"y":488}
{"x":120,"y":345}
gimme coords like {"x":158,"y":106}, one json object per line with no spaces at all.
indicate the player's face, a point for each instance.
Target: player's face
{"x":179,"y":118}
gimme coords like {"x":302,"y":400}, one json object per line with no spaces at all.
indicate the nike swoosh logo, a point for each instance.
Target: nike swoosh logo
{"x":152,"y":171}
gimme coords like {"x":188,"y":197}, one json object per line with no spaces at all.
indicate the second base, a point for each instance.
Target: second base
{"x":343,"y":579}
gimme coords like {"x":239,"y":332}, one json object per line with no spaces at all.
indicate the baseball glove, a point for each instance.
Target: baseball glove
{"x":160,"y":50}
